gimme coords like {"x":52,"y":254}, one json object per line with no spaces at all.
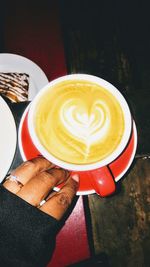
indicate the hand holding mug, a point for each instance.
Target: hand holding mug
{"x":35,"y":179}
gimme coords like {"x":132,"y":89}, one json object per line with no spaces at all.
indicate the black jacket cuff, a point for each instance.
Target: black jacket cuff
{"x":27,"y":235}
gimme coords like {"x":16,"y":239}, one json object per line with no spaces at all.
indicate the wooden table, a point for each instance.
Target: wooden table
{"x":109,"y":39}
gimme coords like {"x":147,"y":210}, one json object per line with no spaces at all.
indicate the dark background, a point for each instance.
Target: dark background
{"x":110,"y":39}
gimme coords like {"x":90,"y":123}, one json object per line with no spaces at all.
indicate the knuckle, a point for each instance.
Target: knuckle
{"x":30,"y":164}
{"x":54,"y":172}
{"x":57,"y":173}
{"x":46,"y":178}
{"x":35,"y":161}
{"x":63,"y":199}
{"x":73,"y":186}
{"x":41,"y":163}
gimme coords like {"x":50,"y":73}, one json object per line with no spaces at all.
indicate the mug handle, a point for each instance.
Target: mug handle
{"x":102,"y":181}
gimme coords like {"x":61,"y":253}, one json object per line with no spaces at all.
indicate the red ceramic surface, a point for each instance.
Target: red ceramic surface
{"x":102,"y":181}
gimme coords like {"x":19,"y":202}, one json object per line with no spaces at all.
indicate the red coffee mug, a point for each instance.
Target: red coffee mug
{"x":104,"y":185}
{"x":99,"y":174}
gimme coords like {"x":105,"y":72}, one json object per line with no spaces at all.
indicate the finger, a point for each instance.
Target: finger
{"x":26,"y":171}
{"x":57,"y":205}
{"x":37,"y":188}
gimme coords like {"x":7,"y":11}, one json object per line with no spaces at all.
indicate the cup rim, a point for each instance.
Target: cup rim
{"x":82,"y":167}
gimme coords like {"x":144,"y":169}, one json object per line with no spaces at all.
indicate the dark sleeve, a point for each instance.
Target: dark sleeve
{"x":27,"y":235}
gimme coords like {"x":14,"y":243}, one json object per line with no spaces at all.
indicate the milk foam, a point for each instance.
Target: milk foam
{"x":85,"y":126}
{"x":79,"y":122}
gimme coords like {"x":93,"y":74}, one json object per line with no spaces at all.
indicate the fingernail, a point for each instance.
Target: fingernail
{"x":75,"y":177}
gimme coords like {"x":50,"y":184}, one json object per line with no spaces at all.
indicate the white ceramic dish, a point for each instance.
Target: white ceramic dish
{"x":17,"y":63}
{"x":8,"y":138}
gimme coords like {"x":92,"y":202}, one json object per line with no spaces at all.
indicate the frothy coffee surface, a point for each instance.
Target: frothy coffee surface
{"x":79,"y":122}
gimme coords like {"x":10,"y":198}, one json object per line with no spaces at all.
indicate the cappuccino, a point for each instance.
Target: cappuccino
{"x":79,"y":121}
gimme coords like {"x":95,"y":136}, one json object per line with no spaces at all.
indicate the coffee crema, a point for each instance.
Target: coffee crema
{"x":79,"y":122}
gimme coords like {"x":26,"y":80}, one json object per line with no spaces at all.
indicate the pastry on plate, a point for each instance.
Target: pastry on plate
{"x":14,"y":86}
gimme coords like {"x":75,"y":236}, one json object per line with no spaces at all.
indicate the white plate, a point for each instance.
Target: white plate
{"x":16,"y":63}
{"x":8,"y":138}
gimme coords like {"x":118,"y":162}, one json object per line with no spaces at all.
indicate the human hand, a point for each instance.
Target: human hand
{"x":34,"y":180}
{"x":28,"y":231}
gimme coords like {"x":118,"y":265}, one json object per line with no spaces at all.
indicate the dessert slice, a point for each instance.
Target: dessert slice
{"x":14,"y":86}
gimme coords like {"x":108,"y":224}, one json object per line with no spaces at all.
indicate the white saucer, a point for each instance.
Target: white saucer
{"x":8,"y":138}
{"x":17,"y":63}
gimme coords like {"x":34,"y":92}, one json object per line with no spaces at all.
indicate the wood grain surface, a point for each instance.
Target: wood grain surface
{"x":121,"y":223}
{"x":110,"y":39}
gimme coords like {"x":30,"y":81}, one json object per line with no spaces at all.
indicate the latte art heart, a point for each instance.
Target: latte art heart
{"x":79,"y":122}
{"x":83,"y":125}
